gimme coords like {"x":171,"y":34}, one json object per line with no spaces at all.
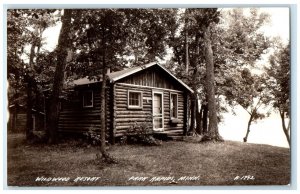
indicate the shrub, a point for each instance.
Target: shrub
{"x":141,"y":134}
{"x":92,"y":135}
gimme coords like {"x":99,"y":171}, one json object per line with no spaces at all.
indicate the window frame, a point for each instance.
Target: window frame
{"x":140,"y":106}
{"x":83,"y":94}
{"x":171,"y":112}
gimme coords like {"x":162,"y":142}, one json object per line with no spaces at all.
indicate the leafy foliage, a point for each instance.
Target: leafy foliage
{"x":93,"y":136}
{"x":123,"y":36}
{"x":141,"y":133}
{"x":25,"y":29}
{"x":278,"y":84}
{"x":279,"y":78}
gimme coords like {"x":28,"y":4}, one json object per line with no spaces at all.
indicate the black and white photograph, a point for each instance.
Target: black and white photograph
{"x":148,"y":96}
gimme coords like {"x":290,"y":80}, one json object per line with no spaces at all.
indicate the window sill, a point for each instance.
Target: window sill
{"x":174,"y":121}
{"x":135,"y":107}
{"x":88,"y":106}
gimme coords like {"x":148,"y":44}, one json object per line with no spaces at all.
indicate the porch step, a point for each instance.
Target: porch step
{"x":176,"y":137}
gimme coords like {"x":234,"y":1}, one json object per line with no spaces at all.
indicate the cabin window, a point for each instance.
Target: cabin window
{"x":173,"y":105}
{"x":135,"y":100}
{"x":88,"y":99}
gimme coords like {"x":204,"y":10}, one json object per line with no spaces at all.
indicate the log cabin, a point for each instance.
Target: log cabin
{"x":132,"y":97}
{"x":17,"y":119}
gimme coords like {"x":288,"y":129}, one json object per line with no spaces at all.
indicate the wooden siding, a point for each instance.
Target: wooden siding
{"x":154,"y":77}
{"x":124,"y":118}
{"x":18,"y":118}
{"x":17,"y":122}
{"x":76,"y":118}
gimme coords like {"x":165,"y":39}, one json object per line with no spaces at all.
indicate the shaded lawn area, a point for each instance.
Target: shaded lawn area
{"x":208,"y":163}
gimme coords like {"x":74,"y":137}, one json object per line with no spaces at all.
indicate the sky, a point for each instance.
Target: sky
{"x":234,"y":126}
{"x":279,"y":24}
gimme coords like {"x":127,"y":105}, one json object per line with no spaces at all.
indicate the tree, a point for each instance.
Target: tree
{"x":213,"y":132}
{"x":197,"y":28}
{"x":239,"y":44}
{"x":278,"y":84}
{"x":236,"y":42}
{"x":99,"y":42}
{"x":16,"y":41}
{"x":188,"y":60}
{"x":64,"y":44}
{"x":107,"y":38}
{"x":148,"y":32}
{"x":251,"y":94}
{"x":25,"y":28}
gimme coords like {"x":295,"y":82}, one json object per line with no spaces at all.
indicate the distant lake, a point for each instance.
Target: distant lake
{"x":267,"y":131}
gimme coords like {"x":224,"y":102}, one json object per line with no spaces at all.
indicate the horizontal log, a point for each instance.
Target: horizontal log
{"x":121,"y":126}
{"x":123,"y":131}
{"x":134,"y":112}
{"x":83,"y":114}
{"x":123,"y":97}
{"x":82,"y":120}
{"x":90,"y":110}
{"x":79,"y":121}
{"x":133,"y":116}
{"x":124,"y":93}
{"x":119,"y":134}
{"x":71,"y":131}
{"x":76,"y":128}
{"x":129,"y":120}
{"x":76,"y":131}
{"x":146,"y":87}
{"x":80,"y":117}
{"x":120,"y":95}
{"x":126,"y":88}
{"x":79,"y":125}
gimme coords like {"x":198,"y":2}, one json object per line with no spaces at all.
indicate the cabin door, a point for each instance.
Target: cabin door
{"x":158,"y":116}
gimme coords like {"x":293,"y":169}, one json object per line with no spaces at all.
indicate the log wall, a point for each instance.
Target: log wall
{"x":124,"y":117}
{"x":76,"y":118}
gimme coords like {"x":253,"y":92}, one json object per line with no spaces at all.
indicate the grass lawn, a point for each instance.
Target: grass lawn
{"x":206,"y":164}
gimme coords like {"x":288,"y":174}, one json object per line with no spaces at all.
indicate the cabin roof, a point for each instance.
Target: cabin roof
{"x":23,"y":107}
{"x":85,"y":80}
{"x":115,"y":76}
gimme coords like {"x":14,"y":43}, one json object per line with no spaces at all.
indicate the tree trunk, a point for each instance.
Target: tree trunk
{"x":64,"y":44}
{"x":193,"y":114}
{"x":186,"y":45}
{"x":107,"y":158}
{"x":29,"y":102}
{"x":248,"y":128}
{"x":186,"y":54}
{"x":103,"y":113}
{"x":199,"y":119}
{"x":213,"y":132}
{"x":285,"y":129}
{"x":29,"y":123}
{"x":204,"y":118}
